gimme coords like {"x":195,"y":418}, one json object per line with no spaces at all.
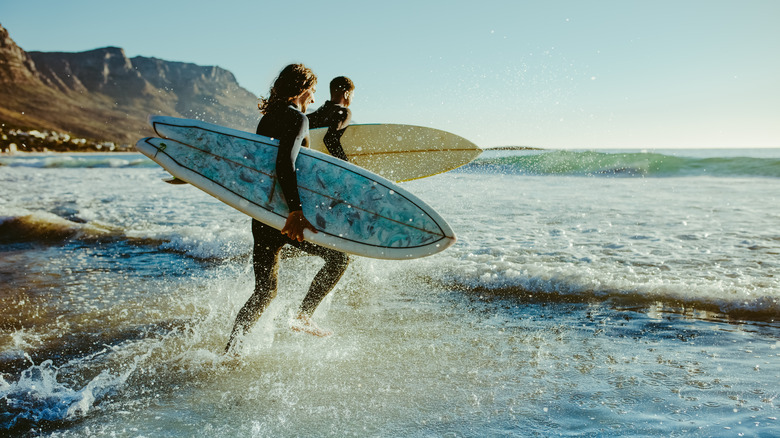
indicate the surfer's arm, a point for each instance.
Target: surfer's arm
{"x":289,"y":144}
{"x":332,"y":141}
{"x":332,"y":138}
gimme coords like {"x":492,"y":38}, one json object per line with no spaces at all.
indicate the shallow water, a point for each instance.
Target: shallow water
{"x":573,"y":304}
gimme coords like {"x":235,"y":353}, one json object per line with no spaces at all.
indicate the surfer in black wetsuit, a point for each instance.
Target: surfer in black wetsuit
{"x":283,"y":119}
{"x":335,"y":115}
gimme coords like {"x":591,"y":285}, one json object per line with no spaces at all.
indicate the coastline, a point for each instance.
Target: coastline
{"x":14,"y":141}
{"x":51,"y":153}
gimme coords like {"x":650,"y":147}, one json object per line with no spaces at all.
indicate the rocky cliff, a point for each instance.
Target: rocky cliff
{"x":104,"y":95}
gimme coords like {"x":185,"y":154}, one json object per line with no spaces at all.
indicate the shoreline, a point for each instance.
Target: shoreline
{"x":50,"y":153}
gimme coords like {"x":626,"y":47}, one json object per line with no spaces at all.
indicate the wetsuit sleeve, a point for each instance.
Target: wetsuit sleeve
{"x":317,"y":118}
{"x":289,"y":144}
{"x":338,"y":125}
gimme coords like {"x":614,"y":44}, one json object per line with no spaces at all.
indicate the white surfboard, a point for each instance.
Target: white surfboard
{"x":354,"y":210}
{"x":401,"y":152}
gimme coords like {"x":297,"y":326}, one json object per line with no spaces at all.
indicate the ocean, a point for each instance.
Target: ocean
{"x":590,"y":293}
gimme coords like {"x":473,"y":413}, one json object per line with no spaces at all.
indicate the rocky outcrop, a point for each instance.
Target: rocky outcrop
{"x":105,"y":95}
{"x":15,"y":65}
{"x":107,"y":71}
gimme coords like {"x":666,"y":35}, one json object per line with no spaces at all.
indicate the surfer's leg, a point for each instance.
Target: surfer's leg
{"x":324,"y":282}
{"x":335,"y":264}
{"x":265,"y":260}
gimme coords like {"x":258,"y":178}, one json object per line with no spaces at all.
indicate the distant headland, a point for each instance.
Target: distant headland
{"x":99,"y":100}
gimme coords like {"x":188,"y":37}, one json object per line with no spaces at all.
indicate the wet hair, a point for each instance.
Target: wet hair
{"x":341,"y":83}
{"x":291,"y":82}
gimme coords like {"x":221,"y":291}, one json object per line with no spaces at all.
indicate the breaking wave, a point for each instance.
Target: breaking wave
{"x":75,"y":161}
{"x":626,"y":164}
{"x":192,"y":241}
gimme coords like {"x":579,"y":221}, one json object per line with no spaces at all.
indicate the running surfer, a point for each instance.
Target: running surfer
{"x":284,"y":119}
{"x":335,"y":115}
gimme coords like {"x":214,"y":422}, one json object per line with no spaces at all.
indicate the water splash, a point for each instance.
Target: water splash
{"x":39,"y":396}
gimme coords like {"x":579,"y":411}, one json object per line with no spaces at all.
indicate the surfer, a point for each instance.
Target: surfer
{"x":284,"y":119}
{"x":335,"y":115}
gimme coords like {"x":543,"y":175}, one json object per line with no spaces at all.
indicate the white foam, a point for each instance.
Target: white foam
{"x":39,"y":396}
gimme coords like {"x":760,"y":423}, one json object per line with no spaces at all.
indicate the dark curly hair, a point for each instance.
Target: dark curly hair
{"x":291,"y":82}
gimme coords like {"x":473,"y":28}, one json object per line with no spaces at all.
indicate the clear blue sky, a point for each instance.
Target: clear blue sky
{"x":553,"y":74}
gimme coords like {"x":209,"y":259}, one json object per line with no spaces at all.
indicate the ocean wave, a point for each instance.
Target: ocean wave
{"x":625,"y":164}
{"x":484,"y":271}
{"x":44,"y":227}
{"x":765,"y":308}
{"x":492,"y":275}
{"x":196,"y":242}
{"x":79,"y":161}
{"x":536,"y":163}
{"x":51,"y":394}
{"x":38,"y":397}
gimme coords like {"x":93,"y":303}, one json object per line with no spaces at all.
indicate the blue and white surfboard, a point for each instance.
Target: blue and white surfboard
{"x":354,"y":210}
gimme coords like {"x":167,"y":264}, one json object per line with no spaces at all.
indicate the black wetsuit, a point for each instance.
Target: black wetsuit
{"x":290,"y":127}
{"x":336,"y":118}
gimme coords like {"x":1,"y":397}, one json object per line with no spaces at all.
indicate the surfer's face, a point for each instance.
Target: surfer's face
{"x":306,"y":98}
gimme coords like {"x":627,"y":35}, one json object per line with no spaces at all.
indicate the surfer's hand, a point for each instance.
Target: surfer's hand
{"x":295,"y":226}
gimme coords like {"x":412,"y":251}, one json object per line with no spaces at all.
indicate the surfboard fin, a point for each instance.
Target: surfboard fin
{"x":175,"y":181}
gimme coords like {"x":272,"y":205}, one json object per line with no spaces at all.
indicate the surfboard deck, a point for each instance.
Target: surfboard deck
{"x":354,"y":210}
{"x":401,"y":152}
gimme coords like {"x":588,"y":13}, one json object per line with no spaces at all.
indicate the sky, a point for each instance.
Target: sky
{"x":552,"y":74}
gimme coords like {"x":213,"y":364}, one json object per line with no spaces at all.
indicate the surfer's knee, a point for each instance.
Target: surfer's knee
{"x":261,"y":297}
{"x":337,"y":261}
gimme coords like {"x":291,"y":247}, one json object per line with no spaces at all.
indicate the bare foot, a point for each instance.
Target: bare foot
{"x":303,"y":323}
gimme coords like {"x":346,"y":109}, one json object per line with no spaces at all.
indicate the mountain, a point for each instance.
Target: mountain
{"x":104,"y":95}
